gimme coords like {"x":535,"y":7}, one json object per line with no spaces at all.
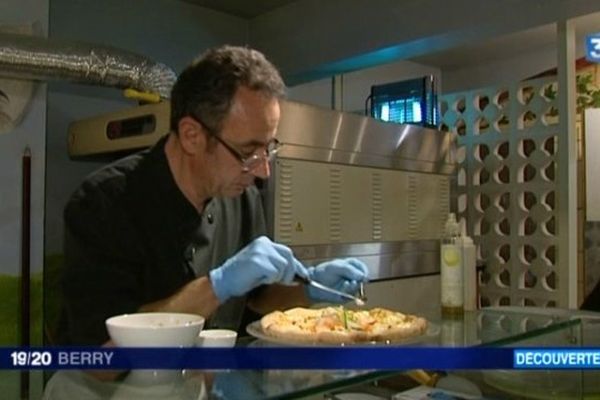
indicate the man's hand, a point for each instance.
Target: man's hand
{"x":260,"y":262}
{"x":341,"y":274}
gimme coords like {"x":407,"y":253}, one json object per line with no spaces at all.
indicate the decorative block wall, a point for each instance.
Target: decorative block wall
{"x":506,"y":187}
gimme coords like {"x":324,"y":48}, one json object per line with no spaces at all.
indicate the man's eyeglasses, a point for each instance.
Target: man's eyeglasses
{"x":248,"y":162}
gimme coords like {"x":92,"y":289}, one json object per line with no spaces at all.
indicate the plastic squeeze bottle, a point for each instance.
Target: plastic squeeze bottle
{"x":451,"y":269}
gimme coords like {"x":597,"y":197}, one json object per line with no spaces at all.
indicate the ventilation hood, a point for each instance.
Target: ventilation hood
{"x":26,"y":58}
{"x":42,"y":59}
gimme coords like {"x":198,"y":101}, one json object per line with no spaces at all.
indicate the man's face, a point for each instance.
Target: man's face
{"x":249,"y":127}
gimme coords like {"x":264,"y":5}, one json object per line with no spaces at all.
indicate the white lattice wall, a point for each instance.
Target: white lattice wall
{"x":506,"y":187}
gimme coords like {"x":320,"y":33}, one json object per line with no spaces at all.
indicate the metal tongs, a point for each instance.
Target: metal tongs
{"x":359,"y":301}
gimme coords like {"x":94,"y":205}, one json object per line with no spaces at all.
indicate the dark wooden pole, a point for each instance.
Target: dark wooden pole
{"x":25,"y":263}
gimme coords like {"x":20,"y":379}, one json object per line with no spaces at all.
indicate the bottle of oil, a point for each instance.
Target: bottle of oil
{"x":451,"y":269}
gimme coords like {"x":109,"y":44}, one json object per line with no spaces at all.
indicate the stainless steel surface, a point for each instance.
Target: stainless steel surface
{"x":318,"y":252}
{"x":320,"y":286}
{"x":321,"y":136}
{"x":384,"y":259}
{"x":317,"y":134}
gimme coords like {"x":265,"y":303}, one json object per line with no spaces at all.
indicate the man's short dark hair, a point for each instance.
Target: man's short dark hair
{"x":205,"y":89}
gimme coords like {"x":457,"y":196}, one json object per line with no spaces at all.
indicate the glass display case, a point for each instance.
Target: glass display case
{"x":502,"y":326}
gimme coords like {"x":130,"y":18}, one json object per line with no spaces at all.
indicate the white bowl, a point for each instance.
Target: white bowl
{"x":216,"y":338}
{"x":154,"y":329}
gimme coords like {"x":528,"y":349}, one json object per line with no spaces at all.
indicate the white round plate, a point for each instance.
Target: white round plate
{"x":254,"y":329}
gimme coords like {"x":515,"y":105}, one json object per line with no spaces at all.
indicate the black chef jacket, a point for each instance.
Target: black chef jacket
{"x":131,"y":238}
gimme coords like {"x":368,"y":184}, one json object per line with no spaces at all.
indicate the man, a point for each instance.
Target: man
{"x":180,"y":227}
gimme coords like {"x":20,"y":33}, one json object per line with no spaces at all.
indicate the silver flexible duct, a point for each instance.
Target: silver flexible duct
{"x":31,"y":57}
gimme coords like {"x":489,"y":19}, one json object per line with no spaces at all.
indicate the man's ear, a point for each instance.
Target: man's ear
{"x":191,"y":136}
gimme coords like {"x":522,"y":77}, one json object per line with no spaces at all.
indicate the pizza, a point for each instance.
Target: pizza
{"x":336,"y":325}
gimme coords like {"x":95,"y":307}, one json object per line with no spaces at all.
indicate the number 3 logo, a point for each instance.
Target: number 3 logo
{"x":593,"y":48}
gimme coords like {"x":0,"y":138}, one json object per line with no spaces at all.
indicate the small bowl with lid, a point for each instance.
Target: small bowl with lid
{"x":216,"y":338}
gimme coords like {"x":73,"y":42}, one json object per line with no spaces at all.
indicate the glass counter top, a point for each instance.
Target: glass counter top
{"x":491,"y":326}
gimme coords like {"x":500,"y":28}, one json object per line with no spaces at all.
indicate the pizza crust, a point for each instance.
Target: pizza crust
{"x":335,"y":325}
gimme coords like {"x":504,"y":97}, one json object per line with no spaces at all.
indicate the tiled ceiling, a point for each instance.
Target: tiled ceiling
{"x":242,"y":8}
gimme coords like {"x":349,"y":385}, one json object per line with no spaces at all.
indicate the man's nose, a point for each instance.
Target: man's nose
{"x":262,"y":170}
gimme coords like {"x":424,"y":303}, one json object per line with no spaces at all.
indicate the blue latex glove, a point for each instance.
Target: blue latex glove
{"x":341,"y":274}
{"x":261,"y":262}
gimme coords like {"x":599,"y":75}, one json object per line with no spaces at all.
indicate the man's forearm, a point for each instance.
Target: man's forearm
{"x":197,"y":297}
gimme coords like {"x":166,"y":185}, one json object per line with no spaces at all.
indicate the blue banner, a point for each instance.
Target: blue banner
{"x":382,"y":358}
{"x":557,"y":358}
{"x":338,"y":358}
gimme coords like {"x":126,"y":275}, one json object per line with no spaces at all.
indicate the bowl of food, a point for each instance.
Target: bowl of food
{"x":155,"y":329}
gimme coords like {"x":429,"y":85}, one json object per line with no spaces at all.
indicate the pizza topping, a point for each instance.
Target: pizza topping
{"x":339,"y":325}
